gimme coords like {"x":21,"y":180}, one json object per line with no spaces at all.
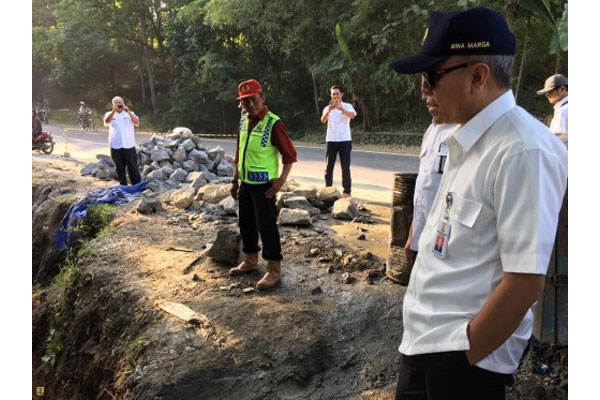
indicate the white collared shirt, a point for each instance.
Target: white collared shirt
{"x":507,"y":176}
{"x":560,"y":120}
{"x":338,"y":124}
{"x":121,"y":134}
{"x":432,"y":158}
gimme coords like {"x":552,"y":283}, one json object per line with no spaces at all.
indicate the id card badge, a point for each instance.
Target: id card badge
{"x":440,"y":247}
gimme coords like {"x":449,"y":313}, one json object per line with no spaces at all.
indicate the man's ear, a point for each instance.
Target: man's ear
{"x":481,"y":74}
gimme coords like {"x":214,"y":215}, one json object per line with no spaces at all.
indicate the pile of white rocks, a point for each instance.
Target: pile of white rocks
{"x":168,"y":162}
{"x":172,"y":158}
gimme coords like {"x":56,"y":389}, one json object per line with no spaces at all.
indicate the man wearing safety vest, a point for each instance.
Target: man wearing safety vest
{"x":261,"y":139}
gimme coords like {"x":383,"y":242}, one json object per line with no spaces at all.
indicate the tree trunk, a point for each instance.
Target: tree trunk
{"x":314,"y":82}
{"x":523,"y":57}
{"x":142,"y":82}
{"x":557,"y":65}
{"x":151,"y":83}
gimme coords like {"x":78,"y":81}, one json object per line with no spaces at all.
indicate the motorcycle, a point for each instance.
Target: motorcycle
{"x":43,"y":142}
{"x":85,"y":121}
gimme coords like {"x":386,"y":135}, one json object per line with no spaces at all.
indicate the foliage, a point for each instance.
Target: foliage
{"x":97,"y":219}
{"x":179,"y":61}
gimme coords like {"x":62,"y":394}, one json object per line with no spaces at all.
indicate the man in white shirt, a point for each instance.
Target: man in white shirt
{"x":121,"y":139}
{"x":337,"y":115}
{"x":556,"y":90}
{"x":432,"y":159}
{"x":487,"y":241}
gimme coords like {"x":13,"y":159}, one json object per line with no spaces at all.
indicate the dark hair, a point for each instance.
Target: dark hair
{"x":336,"y":87}
{"x":34,"y":113}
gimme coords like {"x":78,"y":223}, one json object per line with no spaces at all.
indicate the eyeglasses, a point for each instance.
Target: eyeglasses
{"x":548,"y":94}
{"x":433,"y":76}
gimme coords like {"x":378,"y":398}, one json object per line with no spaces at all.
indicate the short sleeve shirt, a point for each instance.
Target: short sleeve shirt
{"x":560,"y":120}
{"x":121,"y":133}
{"x":434,"y":151}
{"x":338,"y":124}
{"x":507,"y":175}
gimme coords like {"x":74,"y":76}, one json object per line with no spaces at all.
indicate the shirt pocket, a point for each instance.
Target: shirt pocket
{"x":464,"y":242}
{"x":465,"y":211}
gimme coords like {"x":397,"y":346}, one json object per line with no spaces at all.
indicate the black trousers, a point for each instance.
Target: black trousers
{"x":126,"y":158}
{"x":344,"y":149}
{"x":258,"y":215}
{"x":447,"y":376}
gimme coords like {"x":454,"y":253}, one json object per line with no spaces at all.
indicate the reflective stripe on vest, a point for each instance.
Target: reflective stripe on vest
{"x":258,"y":159}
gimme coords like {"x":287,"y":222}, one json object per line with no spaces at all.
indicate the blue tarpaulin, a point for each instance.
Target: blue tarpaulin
{"x":78,"y":210}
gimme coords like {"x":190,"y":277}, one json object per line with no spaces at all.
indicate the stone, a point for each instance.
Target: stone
{"x":326,"y":196}
{"x":290,"y":185}
{"x":87,"y":170}
{"x":105,"y":159}
{"x":299,"y":202}
{"x":212,"y":153}
{"x":157,"y":140}
{"x":177,"y":164}
{"x":165,"y":197}
{"x":227,"y":246}
{"x":280,"y":198}
{"x":229,"y":158}
{"x":188,"y":145}
{"x":171,"y":184}
{"x":167,"y":170}
{"x":317,"y":290}
{"x":216,"y":196}
{"x":196,"y":205}
{"x":198,"y":156}
{"x":230,"y":206}
{"x":211,"y":177}
{"x":199,"y":182}
{"x":216,"y":161}
{"x":166,"y":163}
{"x":309,"y":192}
{"x":172,"y":142}
{"x":202,"y":168}
{"x":362,"y":237}
{"x":190,"y":166}
{"x":180,"y":154}
{"x":180,"y":131}
{"x":159,"y":154}
{"x":149,"y":202}
{"x":205,"y":190}
{"x":145,"y":159}
{"x":345,"y":209}
{"x":155,"y":165}
{"x":346,"y":278}
{"x":248,"y":290}
{"x":179,"y":175}
{"x":294,"y":217}
{"x":104,"y":173}
{"x":156,"y":175}
{"x":183,"y":198}
{"x":225,"y":169}
{"x":193,"y":175}
{"x":146,"y":169}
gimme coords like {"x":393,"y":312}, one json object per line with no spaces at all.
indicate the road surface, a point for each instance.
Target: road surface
{"x":372,"y":172}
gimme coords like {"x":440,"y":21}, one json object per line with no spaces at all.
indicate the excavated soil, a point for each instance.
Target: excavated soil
{"x":330,"y":331}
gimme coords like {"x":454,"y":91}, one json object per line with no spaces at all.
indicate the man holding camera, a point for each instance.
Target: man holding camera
{"x":337,"y":115}
{"x":121,"y":139}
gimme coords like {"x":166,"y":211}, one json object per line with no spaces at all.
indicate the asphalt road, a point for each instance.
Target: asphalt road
{"x":372,"y":172}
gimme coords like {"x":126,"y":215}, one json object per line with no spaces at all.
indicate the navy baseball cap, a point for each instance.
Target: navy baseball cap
{"x":478,"y":30}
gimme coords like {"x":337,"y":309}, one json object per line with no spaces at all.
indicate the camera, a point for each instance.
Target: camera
{"x":120,"y":106}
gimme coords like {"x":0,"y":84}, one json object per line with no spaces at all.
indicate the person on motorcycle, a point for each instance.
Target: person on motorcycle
{"x":84,"y":109}
{"x":36,"y":125}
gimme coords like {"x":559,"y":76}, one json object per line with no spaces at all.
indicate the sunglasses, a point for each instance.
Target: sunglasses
{"x":432,"y":77}
{"x":548,"y":94}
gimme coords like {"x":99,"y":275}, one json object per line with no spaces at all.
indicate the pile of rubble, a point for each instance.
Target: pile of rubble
{"x":166,"y":162}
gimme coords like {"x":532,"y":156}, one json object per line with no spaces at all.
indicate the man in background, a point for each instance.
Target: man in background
{"x":556,"y":90}
{"x":121,"y":139}
{"x":337,"y":115}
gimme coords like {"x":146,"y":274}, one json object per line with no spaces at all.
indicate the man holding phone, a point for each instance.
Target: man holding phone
{"x":337,"y":115}
{"x":121,"y":139}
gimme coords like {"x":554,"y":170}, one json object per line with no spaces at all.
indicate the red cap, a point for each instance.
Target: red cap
{"x":248,"y":88}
